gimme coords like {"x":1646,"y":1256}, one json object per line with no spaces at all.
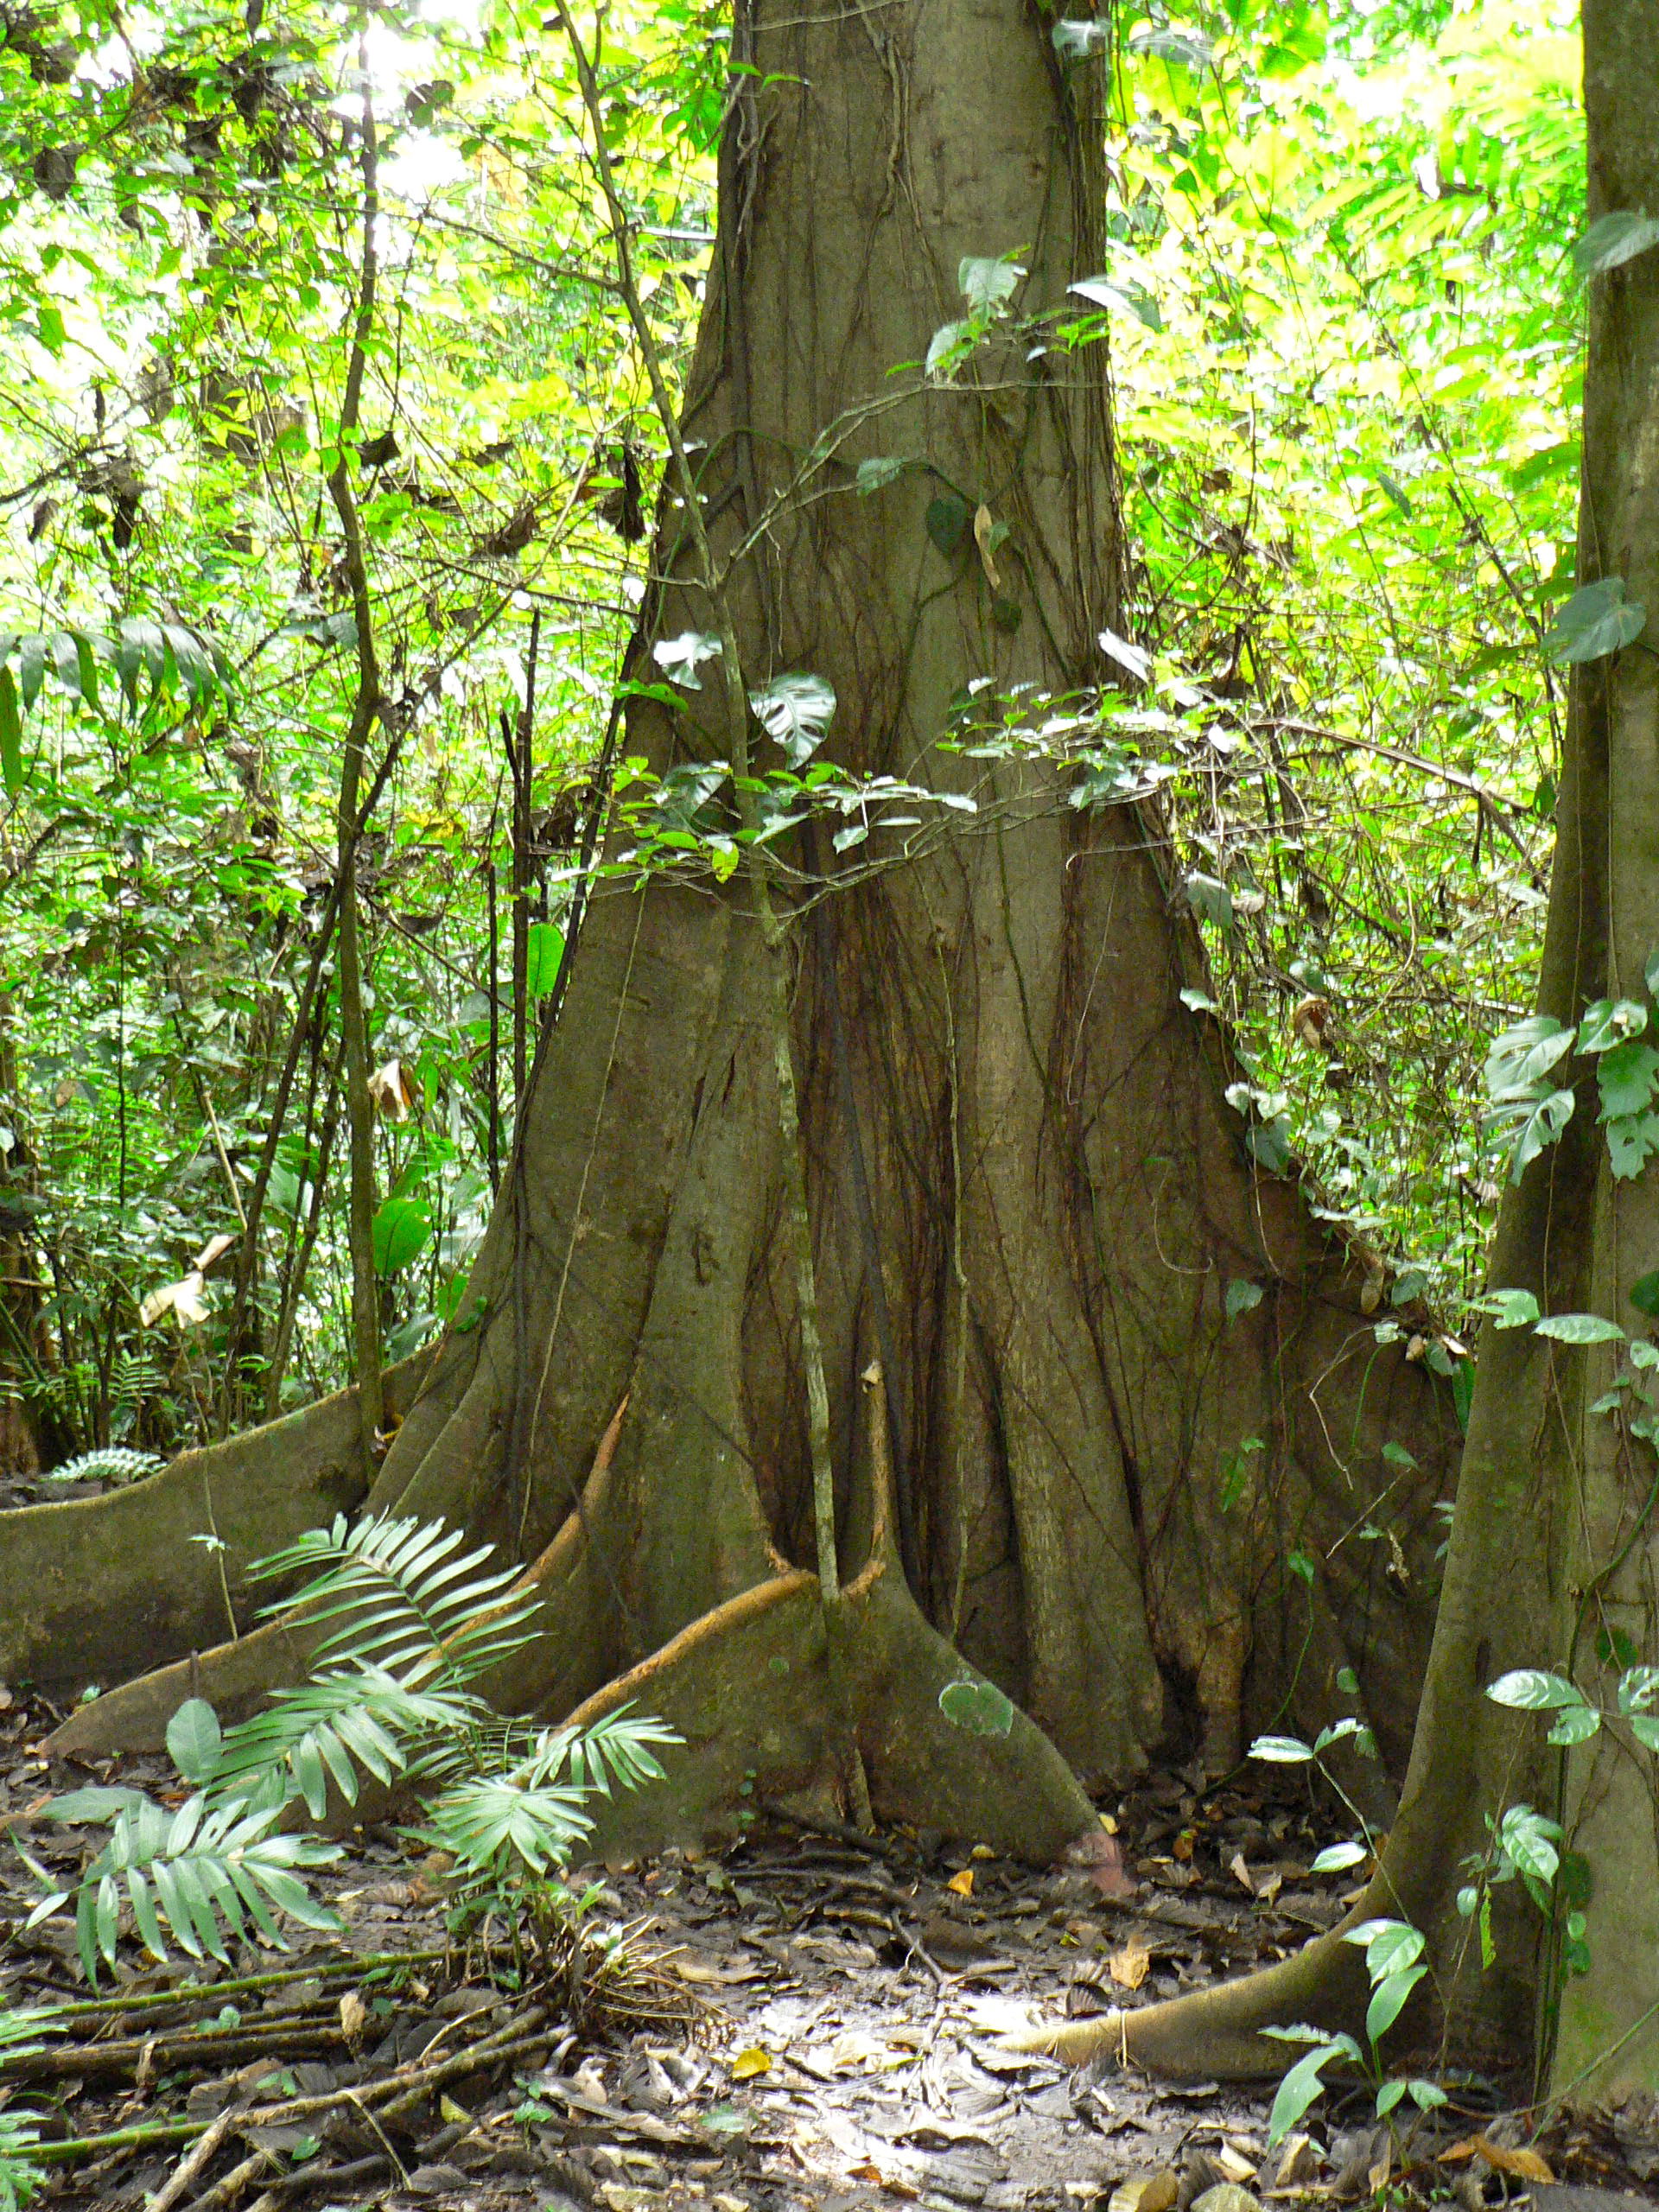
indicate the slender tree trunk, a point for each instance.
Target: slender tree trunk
{"x":1025,"y":1193}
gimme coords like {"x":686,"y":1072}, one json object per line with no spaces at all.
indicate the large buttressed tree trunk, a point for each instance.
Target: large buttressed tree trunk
{"x":1553,"y":1561}
{"x":1028,"y":1196}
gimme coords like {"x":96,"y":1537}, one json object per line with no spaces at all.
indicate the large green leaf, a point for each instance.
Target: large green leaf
{"x":11,"y":736}
{"x":978,"y":1706}
{"x":402,"y":1230}
{"x":795,"y":711}
{"x":1613,"y":239}
{"x":1596,"y":621}
{"x":544,"y":950}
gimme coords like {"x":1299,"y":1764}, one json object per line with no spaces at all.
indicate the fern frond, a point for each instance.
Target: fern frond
{"x":402,"y":1597}
{"x":114,"y":1463}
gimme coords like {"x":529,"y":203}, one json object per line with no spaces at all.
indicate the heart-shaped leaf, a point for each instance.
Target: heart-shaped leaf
{"x":1597,"y":620}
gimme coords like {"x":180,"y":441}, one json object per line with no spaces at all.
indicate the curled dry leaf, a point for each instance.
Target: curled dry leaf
{"x":1310,"y":1021}
{"x":392,"y":1090}
{"x":983,"y":526}
{"x":215,"y":1249}
{"x":354,"y":2017}
{"x":182,"y":1297}
{"x":962,"y":1884}
{"x":1520,"y":2163}
{"x":1299,"y":2162}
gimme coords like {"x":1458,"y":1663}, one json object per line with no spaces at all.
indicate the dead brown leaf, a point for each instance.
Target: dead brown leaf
{"x":1519,"y":2163}
{"x":1129,"y":1966}
{"x":1146,"y":2193}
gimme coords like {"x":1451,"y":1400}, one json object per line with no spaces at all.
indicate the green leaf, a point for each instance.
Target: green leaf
{"x":1121,"y":298}
{"x":1187,"y":49}
{"x":1530,"y":1689}
{"x":1613,"y":239}
{"x":1527,"y":1840}
{"x":946,"y":521}
{"x":1580,"y":1328}
{"x":1539,"y":1129}
{"x":1632,"y":1139}
{"x":98,"y":1802}
{"x":988,"y":281}
{"x":1210,"y":899}
{"x":1390,"y":1946}
{"x":1575,"y":1724}
{"x":1388,"y":1999}
{"x":1242,"y":1296}
{"x":1510,"y":1309}
{"x":1301,"y":2088}
{"x":193,"y":1740}
{"x":1518,"y":1060}
{"x":877,"y":473}
{"x":1610,"y":1022}
{"x":1643,"y":1294}
{"x":1338,"y":1858}
{"x":978,"y":1708}
{"x":31,"y":667}
{"x":401,"y":1229}
{"x":681,"y":656}
{"x":1282,"y":1750}
{"x":544,"y":952}
{"x":1596,"y":621}
{"x":1625,"y":1080}
{"x":11,"y":736}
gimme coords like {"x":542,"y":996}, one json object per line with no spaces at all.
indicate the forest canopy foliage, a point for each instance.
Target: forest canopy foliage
{"x":1345,"y":329}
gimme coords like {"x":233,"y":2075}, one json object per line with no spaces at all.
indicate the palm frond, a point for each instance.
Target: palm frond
{"x":339,"y":1724}
{"x":112,"y":1463}
{"x":21,"y":2176}
{"x":615,"y":1751}
{"x":203,"y":1871}
{"x":405,"y":1596}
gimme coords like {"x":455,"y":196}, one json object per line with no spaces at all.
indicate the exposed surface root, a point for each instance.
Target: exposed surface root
{"x":234,"y":1678}
{"x":1217,"y":2034}
{"x":747,"y":1687}
{"x":98,"y":1589}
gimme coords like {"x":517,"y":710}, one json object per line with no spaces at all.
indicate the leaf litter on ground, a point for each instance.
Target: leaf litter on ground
{"x":818,"y":2024}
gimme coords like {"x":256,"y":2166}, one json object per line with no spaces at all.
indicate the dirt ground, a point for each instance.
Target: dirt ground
{"x":821,"y":2021}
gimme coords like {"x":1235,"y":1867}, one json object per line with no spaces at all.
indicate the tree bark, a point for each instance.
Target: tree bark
{"x":1027,"y":1194}
{"x":1553,"y":1559}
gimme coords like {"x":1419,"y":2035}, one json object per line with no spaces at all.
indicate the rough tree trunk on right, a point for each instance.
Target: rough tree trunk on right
{"x":1555,"y":1554}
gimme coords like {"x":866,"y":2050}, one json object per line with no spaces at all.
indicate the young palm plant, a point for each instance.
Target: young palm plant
{"x":412,"y":1620}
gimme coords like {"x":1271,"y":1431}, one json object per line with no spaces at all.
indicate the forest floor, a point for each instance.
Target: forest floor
{"x":819,"y":2032}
